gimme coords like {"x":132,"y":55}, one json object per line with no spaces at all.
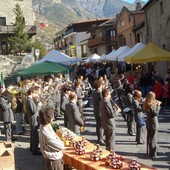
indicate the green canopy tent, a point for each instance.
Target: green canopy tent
{"x":45,"y":68}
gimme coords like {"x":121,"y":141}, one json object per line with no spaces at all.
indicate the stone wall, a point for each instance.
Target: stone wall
{"x":7,"y":6}
{"x":157,"y":29}
{"x":8,"y":63}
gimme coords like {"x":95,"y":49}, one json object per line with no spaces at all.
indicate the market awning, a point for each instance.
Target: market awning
{"x":132,"y":51}
{"x":150,"y":53}
{"x":114,"y":54}
{"x":45,"y":68}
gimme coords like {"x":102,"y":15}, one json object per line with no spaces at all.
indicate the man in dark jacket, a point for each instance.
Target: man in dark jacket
{"x":97,"y":96}
{"x":74,"y":116}
{"x":64,"y":101}
{"x":7,"y":114}
{"x":33,"y":109}
{"x":107,"y":119}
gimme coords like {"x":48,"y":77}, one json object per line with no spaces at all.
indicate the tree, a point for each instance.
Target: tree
{"x":20,"y":41}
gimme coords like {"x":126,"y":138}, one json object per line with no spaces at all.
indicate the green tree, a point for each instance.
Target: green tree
{"x":20,"y":41}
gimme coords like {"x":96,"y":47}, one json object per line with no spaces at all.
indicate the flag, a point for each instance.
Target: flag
{"x":2,"y":81}
{"x":43,"y":25}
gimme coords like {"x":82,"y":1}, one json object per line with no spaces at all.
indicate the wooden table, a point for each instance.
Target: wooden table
{"x":83,"y":162}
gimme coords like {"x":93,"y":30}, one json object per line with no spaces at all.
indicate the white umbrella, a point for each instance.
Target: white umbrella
{"x":132,"y":51}
{"x":113,"y":55}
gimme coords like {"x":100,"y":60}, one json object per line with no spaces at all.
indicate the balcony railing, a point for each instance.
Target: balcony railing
{"x":10,"y":29}
{"x":7,"y":29}
{"x":103,"y":40}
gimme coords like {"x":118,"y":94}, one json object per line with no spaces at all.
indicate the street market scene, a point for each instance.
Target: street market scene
{"x":87,"y":93}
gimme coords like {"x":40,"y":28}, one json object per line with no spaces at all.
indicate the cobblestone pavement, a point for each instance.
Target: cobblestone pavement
{"x":125,"y":144}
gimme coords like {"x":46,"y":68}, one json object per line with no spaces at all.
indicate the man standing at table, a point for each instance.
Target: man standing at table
{"x":97,"y":96}
{"x":74,"y":116}
{"x":107,"y":119}
{"x":50,"y":144}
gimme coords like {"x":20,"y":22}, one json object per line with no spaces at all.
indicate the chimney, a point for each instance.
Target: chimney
{"x":138,"y":5}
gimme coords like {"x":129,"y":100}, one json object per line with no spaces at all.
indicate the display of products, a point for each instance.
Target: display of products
{"x":114,"y":160}
{"x":134,"y":165}
{"x":79,"y":147}
{"x":96,"y":154}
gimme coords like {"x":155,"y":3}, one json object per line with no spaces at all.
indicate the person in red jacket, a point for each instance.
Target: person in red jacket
{"x":130,"y":78}
{"x":166,"y":94}
{"x":157,"y":89}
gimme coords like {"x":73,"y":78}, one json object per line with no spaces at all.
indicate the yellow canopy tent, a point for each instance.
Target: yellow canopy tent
{"x":150,"y":53}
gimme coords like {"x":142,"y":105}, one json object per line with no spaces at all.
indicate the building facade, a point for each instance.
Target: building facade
{"x":103,"y":38}
{"x":157,"y":28}
{"x":73,"y":40}
{"x":126,"y":22}
{"x":7,"y":18}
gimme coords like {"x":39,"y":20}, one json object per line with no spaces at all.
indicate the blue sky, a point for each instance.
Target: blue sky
{"x":131,"y":1}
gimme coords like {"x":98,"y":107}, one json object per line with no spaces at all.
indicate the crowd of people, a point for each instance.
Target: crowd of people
{"x":41,"y":100}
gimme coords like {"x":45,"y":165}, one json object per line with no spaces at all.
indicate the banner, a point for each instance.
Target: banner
{"x":2,"y":81}
{"x":72,"y":49}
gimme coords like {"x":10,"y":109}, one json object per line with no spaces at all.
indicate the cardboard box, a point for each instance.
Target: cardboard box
{"x":7,"y":156}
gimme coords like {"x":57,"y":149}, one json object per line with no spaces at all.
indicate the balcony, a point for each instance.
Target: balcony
{"x":103,"y":40}
{"x":10,"y":29}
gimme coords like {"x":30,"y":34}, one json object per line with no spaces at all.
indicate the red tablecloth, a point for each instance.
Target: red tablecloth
{"x":83,"y":162}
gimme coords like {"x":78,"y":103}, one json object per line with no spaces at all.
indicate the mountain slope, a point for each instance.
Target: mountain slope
{"x":64,"y":12}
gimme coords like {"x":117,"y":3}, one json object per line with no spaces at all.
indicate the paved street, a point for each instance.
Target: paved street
{"x":125,"y":144}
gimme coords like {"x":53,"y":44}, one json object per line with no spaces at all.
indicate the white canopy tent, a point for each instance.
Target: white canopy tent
{"x":113,"y":55}
{"x":58,"y":57}
{"x":93,"y":58}
{"x":103,"y":57}
{"x":132,"y":51}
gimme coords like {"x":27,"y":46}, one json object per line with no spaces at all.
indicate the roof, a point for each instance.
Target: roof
{"x":91,"y":20}
{"x":108,"y":23}
{"x":130,"y":12}
{"x":148,"y":4}
{"x":136,"y":27}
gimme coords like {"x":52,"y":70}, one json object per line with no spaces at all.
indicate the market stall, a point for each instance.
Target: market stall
{"x":45,"y":68}
{"x":84,"y":155}
{"x":150,"y":53}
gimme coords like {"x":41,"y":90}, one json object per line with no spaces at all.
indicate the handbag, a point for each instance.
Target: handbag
{"x":141,"y":121}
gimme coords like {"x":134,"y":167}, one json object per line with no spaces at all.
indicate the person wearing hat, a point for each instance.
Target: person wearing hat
{"x":7,"y":113}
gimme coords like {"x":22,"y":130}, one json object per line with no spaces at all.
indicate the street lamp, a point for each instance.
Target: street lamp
{"x":37,"y":53}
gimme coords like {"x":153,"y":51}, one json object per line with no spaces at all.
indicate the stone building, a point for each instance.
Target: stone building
{"x":7,"y":17}
{"x":157,"y":28}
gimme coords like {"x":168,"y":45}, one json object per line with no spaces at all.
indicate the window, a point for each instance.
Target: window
{"x":129,"y":18}
{"x":122,"y":23}
{"x":122,"y":40}
{"x":95,"y":50}
{"x":130,"y":38}
{"x":164,"y":46}
{"x":2,"y":21}
{"x":93,"y":36}
{"x":138,"y":38}
{"x":107,"y":34}
{"x":109,"y":49}
{"x":112,"y":33}
{"x":161,"y":7}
